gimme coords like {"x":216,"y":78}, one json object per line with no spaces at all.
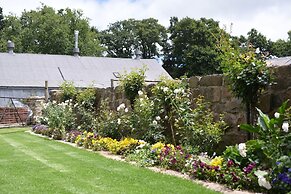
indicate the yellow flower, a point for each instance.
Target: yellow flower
{"x":217,"y":161}
{"x":158,"y":147}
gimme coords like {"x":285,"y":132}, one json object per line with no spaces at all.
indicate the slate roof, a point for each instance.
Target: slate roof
{"x":282,"y":61}
{"x":31,"y":70}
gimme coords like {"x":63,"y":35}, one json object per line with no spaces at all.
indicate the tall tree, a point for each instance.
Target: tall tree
{"x":1,"y":18}
{"x":11,"y":31}
{"x":258,"y":40}
{"x":51,"y":32}
{"x":120,"y":38}
{"x":123,"y":37}
{"x":193,"y":50}
{"x":150,"y":36}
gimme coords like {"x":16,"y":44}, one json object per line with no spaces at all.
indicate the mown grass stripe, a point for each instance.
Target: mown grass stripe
{"x":88,"y":172}
{"x":36,"y":156}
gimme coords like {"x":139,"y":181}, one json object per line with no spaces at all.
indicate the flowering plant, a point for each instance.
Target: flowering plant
{"x":173,"y":157}
{"x":274,"y":133}
{"x":145,"y":120}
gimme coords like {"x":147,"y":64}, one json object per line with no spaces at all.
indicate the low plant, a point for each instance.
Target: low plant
{"x":143,"y":155}
{"x":40,"y":129}
{"x":71,"y":136}
{"x":173,"y":157}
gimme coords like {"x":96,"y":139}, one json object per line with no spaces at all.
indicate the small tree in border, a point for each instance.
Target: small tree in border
{"x":247,"y":74}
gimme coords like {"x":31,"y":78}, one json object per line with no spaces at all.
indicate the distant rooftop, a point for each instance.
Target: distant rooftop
{"x":282,"y":61}
{"x":31,"y":70}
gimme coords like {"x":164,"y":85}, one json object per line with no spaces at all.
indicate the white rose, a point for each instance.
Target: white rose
{"x":122,"y":106}
{"x":176,"y":91}
{"x":277,"y":115}
{"x":140,"y":93}
{"x":118,"y":121}
{"x":126,"y":110}
{"x":264,"y":183}
{"x":158,"y":118}
{"x":155,"y":122}
{"x":165,"y":89}
{"x":242,"y":148}
{"x":285,"y":126}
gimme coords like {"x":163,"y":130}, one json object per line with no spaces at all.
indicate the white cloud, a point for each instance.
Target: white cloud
{"x":270,"y":17}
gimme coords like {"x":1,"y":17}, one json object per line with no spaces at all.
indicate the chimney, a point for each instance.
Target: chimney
{"x":138,"y":54}
{"x":10,"y":46}
{"x":76,"y":50}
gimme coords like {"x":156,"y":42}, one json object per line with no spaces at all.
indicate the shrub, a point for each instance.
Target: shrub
{"x":68,"y":91}
{"x":85,"y":109}
{"x":114,"y":124}
{"x":145,"y":120}
{"x":59,"y":118}
{"x":181,"y":123}
{"x":275,"y":138}
{"x":133,"y":82}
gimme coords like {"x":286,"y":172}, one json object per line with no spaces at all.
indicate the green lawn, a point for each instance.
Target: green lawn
{"x":31,"y":164}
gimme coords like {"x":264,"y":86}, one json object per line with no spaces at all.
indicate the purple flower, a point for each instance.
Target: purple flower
{"x":230,"y":163}
{"x":249,"y":168}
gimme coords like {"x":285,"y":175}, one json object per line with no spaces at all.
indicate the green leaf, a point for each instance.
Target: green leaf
{"x":249,"y":128}
{"x":283,"y":107}
{"x":263,"y":120}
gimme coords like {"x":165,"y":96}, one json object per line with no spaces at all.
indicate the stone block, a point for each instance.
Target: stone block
{"x":225,"y":94}
{"x":211,"y":94}
{"x":265,"y":102}
{"x":234,"y":106}
{"x":194,"y":81}
{"x":211,"y":80}
{"x":195,"y":92}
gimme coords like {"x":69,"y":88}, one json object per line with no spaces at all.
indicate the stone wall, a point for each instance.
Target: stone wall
{"x":35,"y":104}
{"x":215,"y":90}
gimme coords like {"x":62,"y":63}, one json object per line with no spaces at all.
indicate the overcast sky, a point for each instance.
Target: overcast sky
{"x":270,"y":17}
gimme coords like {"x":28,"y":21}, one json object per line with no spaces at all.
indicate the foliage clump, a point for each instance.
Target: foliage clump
{"x":133,"y":82}
{"x":246,"y":73}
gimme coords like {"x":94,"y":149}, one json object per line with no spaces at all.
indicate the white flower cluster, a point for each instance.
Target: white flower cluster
{"x":180,"y":90}
{"x":242,"y":148}
{"x":264,"y":183}
{"x":122,"y":107}
{"x":285,"y":126}
{"x":165,"y":89}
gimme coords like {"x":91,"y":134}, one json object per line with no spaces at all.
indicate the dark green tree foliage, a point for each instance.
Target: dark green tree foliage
{"x":193,"y":50}
{"x":120,"y":38}
{"x":11,"y":31}
{"x":150,"y":34}
{"x":1,"y":18}
{"x":282,"y":48}
{"x":50,"y":32}
{"x":258,"y":40}
{"x":123,"y":37}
